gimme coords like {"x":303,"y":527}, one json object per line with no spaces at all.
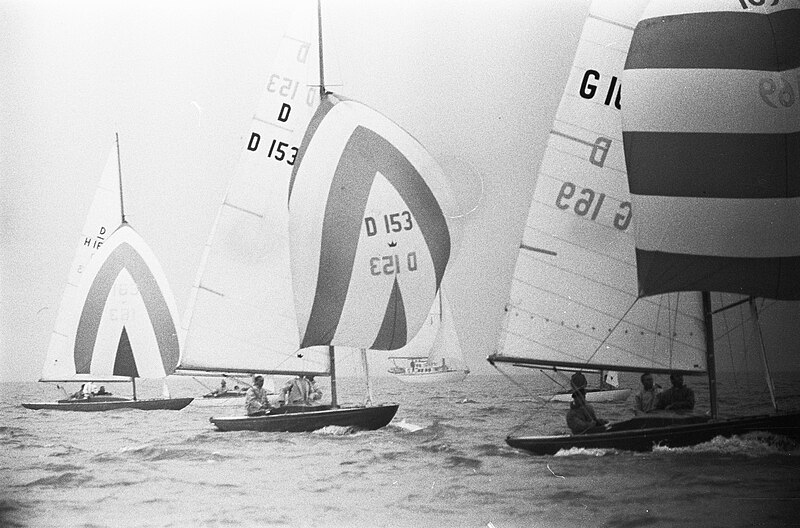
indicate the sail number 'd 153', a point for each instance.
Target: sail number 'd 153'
{"x":391,"y":223}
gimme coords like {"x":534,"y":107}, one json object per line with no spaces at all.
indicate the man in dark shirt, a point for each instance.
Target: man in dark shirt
{"x":679,"y":397}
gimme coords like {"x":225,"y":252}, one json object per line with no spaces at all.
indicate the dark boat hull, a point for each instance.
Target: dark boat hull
{"x":110,"y":404}
{"x":641,"y":434}
{"x":310,"y":419}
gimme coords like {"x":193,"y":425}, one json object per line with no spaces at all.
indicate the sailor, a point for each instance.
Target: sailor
{"x":581,"y":417}
{"x":255,"y":401}
{"x":223,"y":388}
{"x":648,"y":394}
{"x":679,"y":397}
{"x":301,"y":390}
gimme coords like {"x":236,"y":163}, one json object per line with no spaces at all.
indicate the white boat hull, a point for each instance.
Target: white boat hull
{"x":596,"y":396}
{"x":448,"y":376}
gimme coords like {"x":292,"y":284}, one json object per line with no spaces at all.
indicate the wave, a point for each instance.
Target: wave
{"x":68,"y":479}
{"x":157,"y":454}
{"x":753,"y":444}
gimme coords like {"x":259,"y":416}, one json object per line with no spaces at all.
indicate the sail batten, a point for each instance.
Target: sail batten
{"x":574,"y":295}
{"x":240,"y":316}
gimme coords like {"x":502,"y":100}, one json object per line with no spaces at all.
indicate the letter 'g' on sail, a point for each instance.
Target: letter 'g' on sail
{"x":369,"y":240}
{"x":127,"y":324}
{"x":711,"y":120}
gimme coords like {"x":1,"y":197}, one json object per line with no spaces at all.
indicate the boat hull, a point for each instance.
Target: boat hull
{"x":642,"y":433}
{"x":310,"y":419}
{"x":596,"y":396}
{"x":449,"y":376}
{"x":110,"y":404}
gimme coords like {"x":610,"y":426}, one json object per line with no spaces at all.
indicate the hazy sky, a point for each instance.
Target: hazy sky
{"x":477,"y":82}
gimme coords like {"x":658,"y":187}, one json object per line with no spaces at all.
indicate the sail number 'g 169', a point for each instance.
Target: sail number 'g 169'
{"x":393,"y":223}
{"x":586,"y":204}
{"x":391,"y":264}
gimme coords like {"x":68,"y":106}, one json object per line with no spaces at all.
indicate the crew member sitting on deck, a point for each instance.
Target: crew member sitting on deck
{"x":648,"y":394}
{"x":679,"y":397}
{"x":581,"y":417}
{"x":255,"y":401}
{"x":79,"y":394}
{"x":223,"y":388}
{"x":301,"y":390}
{"x":102,"y":391}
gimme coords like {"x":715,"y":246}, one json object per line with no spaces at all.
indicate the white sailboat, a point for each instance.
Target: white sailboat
{"x":434,"y":355}
{"x":116,"y":321}
{"x":677,"y":248}
{"x":330,"y":234}
{"x":572,"y":303}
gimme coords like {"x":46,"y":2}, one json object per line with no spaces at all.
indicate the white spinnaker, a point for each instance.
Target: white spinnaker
{"x":241,"y":311}
{"x":573,"y":299}
{"x":102,"y":219}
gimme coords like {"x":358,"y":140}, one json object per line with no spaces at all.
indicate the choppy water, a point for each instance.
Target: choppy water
{"x":167,"y":468}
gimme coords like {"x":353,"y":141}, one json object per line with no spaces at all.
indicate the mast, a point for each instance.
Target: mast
{"x":365,"y":365}
{"x":133,"y":385}
{"x":334,"y":402}
{"x":321,"y":63}
{"x":119,"y":171}
{"x":767,"y":374}
{"x":710,"y":367}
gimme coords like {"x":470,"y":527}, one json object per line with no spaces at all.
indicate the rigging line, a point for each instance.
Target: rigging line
{"x":542,"y":401}
{"x":119,"y":171}
{"x":602,"y":342}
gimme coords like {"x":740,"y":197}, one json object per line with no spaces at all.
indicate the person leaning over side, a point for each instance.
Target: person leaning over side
{"x":255,"y":401}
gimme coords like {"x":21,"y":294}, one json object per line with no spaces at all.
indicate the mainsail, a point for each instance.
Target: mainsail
{"x":712,"y":143}
{"x":573,"y":300}
{"x":241,"y":311}
{"x":117,"y":317}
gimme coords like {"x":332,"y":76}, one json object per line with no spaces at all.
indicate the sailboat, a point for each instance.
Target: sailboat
{"x":116,"y":321}
{"x":434,"y":355}
{"x":666,"y":274}
{"x":330,"y":235}
{"x":607,"y":391}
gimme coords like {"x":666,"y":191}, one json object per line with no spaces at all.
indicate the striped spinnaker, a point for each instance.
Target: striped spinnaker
{"x":711,"y":129}
{"x":370,"y":242}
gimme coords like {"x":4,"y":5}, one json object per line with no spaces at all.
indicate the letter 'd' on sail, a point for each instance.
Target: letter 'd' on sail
{"x":369,"y":240}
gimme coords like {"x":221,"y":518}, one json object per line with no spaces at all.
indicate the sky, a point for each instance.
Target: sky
{"x":475,"y":81}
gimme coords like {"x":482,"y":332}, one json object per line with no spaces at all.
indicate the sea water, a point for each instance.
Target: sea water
{"x":442,"y":462}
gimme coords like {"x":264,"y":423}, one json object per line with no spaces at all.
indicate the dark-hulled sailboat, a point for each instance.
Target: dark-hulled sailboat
{"x":710,"y":205}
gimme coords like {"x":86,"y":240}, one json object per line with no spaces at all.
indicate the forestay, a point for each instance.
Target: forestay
{"x":370,"y":241}
{"x":241,"y":313}
{"x":712,"y":141}
{"x":573,"y":300}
